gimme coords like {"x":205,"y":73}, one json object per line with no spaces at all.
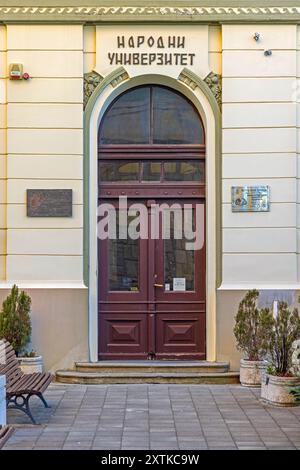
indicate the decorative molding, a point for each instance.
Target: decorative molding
{"x":121,"y":77}
{"x":163,"y":13}
{"x":91,"y":81}
{"x":188,"y":80}
{"x":44,"y":285}
{"x":214,"y":81}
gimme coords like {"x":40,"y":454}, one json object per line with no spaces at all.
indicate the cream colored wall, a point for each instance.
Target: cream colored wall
{"x":296,"y":97}
{"x":45,"y":150}
{"x":3,"y":157}
{"x":59,"y":325}
{"x":89,"y":48}
{"x":196,"y":42}
{"x":259,"y":147}
{"x":215,"y":49}
{"x":227,"y":305}
{"x":41,"y":146}
{"x":260,"y":119}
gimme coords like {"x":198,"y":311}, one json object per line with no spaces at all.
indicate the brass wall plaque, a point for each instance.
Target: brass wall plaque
{"x":49,"y":202}
{"x":250,"y":198}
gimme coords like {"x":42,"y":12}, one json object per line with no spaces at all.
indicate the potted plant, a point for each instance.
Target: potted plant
{"x":252,"y":329}
{"x":15,"y":327}
{"x":31,"y":362}
{"x":280,"y":377}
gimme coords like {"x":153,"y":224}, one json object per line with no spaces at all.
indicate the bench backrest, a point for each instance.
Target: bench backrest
{"x":9,"y":364}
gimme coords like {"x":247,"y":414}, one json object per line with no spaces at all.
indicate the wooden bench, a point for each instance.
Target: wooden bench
{"x":5,"y":433}
{"x":19,"y":386}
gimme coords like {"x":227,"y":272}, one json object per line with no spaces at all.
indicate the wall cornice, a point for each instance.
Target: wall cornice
{"x":185,"y":11}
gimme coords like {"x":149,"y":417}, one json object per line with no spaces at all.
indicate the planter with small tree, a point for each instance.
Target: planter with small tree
{"x":252,"y":329}
{"x":15,"y":327}
{"x":280,"y":377}
{"x":31,"y":362}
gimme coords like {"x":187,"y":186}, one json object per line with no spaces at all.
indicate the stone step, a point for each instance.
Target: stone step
{"x":152,"y":367}
{"x":75,"y":377}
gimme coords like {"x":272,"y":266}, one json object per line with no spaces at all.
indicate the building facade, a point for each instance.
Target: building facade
{"x":175,"y":102}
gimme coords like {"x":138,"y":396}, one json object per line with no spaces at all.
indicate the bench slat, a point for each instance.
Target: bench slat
{"x":33,"y":384}
{"x":25,"y":382}
{"x":44,"y":382}
{"x":18,"y":383}
{"x":12,"y":376}
{"x":5,"y":433}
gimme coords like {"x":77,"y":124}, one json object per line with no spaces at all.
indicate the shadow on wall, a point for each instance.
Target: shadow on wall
{"x":227,"y":306}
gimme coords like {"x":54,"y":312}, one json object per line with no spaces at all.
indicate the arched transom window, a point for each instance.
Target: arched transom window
{"x":151,"y":134}
{"x":152,"y":115}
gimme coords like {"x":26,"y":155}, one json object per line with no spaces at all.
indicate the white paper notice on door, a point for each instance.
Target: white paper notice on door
{"x":179,"y":284}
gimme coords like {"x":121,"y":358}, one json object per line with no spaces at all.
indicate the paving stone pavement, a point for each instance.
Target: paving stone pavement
{"x":155,"y":417}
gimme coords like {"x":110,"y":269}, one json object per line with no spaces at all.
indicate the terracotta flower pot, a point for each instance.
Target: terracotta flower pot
{"x":276,"y":390}
{"x":30,"y":365}
{"x":251,"y":372}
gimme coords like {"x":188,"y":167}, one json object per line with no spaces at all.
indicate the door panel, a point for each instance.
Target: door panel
{"x":180,"y":302}
{"x":123,"y":333}
{"x":123,"y":295}
{"x":180,"y":335}
{"x":152,"y":291}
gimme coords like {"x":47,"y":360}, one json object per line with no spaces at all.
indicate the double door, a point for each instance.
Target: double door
{"x":151,"y":275}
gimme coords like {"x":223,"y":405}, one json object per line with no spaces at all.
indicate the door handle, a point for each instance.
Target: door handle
{"x":158,"y":285}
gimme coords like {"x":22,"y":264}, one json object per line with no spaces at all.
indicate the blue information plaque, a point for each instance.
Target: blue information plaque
{"x":250,"y":198}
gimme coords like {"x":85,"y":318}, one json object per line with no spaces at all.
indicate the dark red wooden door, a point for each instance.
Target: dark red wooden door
{"x":180,"y":287}
{"x":152,"y":291}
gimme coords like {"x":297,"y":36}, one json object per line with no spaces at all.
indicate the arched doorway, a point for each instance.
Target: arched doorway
{"x":151,"y":292}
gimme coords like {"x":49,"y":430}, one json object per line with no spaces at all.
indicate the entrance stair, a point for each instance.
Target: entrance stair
{"x":130,"y":372}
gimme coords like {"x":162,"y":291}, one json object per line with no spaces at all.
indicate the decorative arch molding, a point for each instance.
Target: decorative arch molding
{"x":201,"y":95}
{"x":212,"y":80}
{"x":93,"y":79}
{"x":90,"y":82}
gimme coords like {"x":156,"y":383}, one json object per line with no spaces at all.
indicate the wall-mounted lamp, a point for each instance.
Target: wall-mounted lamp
{"x":268,"y":52}
{"x":257,"y":37}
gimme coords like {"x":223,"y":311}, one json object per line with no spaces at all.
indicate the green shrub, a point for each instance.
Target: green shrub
{"x":15,"y":323}
{"x":285,"y":330}
{"x":252,"y":327}
{"x":296,"y":392}
{"x":31,"y":353}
